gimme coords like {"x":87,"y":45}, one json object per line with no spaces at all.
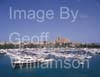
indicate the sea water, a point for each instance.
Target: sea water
{"x":6,"y":70}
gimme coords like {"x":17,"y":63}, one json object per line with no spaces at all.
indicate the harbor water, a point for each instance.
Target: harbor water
{"x":6,"y":70}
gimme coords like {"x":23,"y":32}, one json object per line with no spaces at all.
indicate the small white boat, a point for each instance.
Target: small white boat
{"x":2,"y":51}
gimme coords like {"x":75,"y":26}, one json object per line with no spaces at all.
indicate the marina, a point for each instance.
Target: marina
{"x":29,"y":56}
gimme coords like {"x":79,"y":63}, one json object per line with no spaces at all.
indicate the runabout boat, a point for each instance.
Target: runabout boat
{"x":2,"y":52}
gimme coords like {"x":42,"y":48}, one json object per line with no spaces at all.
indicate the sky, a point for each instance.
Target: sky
{"x":86,"y":28}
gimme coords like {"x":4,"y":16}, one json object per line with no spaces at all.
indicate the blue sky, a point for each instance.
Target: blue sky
{"x":85,"y":29}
